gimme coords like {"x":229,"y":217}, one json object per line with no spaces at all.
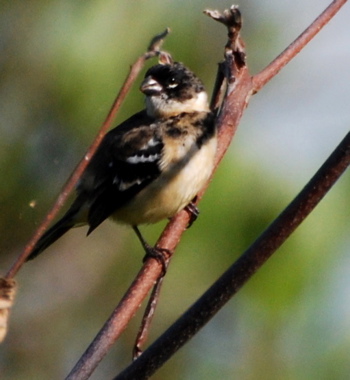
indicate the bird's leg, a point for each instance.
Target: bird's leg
{"x":192,"y":209}
{"x":157,"y":253}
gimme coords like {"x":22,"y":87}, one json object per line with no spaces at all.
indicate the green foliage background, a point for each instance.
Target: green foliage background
{"x":61,"y":64}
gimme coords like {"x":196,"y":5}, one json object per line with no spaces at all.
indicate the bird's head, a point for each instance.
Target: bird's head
{"x":172,"y":89}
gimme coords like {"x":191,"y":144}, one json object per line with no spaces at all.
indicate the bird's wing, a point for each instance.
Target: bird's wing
{"x":126,"y":161}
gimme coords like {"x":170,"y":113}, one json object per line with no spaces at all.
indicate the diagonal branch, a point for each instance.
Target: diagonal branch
{"x":296,"y":46}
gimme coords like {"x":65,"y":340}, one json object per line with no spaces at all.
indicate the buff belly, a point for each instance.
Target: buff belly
{"x":171,"y":191}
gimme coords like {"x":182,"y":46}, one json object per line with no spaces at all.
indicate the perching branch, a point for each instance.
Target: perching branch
{"x":240,"y":86}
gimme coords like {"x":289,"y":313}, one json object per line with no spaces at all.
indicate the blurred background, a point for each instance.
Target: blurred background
{"x":61,"y":65}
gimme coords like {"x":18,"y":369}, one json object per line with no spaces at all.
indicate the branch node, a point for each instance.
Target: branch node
{"x":165,"y":58}
{"x":155,"y":46}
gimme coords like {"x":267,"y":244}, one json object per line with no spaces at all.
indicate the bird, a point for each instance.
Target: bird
{"x":152,"y":165}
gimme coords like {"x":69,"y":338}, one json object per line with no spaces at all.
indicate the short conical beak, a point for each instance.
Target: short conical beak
{"x":150,"y":86}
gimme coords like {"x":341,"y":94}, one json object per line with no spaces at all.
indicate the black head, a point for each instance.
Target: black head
{"x":176,"y":80}
{"x":171,"y":89}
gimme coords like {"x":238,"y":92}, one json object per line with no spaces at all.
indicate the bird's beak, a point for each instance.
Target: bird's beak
{"x":150,"y":86}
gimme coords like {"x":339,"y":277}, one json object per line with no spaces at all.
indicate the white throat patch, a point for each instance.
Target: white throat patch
{"x":159,"y":106}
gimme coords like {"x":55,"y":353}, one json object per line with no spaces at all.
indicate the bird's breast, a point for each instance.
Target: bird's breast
{"x":183,"y":175}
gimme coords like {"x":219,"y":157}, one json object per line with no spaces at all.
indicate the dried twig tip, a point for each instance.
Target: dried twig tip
{"x":157,"y":41}
{"x":230,"y":17}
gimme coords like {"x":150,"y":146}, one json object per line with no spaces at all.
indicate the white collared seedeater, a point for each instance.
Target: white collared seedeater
{"x":152,"y":165}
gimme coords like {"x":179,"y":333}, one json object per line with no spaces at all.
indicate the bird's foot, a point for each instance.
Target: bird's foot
{"x":193,"y":211}
{"x":160,"y":254}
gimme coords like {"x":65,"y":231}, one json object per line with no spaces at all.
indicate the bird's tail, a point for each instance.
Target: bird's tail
{"x":67,"y":222}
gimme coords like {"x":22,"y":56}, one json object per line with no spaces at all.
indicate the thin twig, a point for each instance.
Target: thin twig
{"x":294,"y":48}
{"x":242,"y":270}
{"x":135,"y":69}
{"x":148,"y":315}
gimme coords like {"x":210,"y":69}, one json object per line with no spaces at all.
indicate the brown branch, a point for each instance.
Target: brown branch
{"x":147,"y":318}
{"x":241,"y":271}
{"x":70,"y":185}
{"x":294,"y":48}
{"x":240,"y":88}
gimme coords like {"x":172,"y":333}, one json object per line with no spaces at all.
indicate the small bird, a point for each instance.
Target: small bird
{"x":153,"y":164}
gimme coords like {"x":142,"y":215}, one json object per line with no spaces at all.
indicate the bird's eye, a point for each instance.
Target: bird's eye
{"x":172,"y":83}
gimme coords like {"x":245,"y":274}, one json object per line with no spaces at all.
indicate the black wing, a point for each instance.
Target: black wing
{"x":126,"y":161}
